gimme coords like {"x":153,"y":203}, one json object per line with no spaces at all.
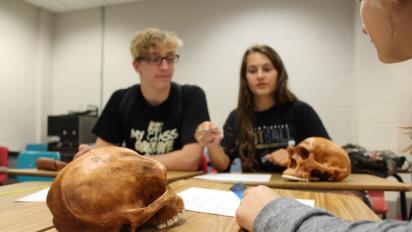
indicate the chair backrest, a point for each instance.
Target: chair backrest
{"x":27,"y":159}
{"x":4,"y":161}
{"x":36,"y":147}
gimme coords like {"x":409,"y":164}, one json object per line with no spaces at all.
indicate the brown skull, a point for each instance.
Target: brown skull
{"x":112,"y":189}
{"x":316,"y":159}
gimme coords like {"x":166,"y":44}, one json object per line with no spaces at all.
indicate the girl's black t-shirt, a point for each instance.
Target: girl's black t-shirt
{"x":275,"y":128}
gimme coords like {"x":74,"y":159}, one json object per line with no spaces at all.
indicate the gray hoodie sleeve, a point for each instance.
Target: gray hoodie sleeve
{"x":290,"y":215}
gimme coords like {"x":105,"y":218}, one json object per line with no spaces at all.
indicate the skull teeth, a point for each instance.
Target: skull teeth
{"x":171,"y":221}
{"x":297,"y":178}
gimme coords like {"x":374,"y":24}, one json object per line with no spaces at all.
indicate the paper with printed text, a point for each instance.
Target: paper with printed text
{"x":216,"y":201}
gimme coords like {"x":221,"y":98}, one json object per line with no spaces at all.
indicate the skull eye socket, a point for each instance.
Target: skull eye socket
{"x":152,"y":193}
{"x":126,"y":228}
{"x":304,"y":153}
{"x":323,"y":176}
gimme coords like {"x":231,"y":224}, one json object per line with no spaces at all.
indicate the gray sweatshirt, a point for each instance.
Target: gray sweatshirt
{"x":286,"y":214}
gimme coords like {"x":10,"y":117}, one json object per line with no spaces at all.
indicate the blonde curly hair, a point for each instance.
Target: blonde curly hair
{"x":149,"y":38}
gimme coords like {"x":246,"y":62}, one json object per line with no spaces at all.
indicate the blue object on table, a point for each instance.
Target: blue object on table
{"x":238,"y":189}
{"x":36,"y":147}
{"x":27,"y":159}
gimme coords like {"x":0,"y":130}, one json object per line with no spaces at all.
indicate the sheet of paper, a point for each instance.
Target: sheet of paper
{"x":310,"y":203}
{"x":36,"y":196}
{"x":216,"y":201}
{"x":236,"y":177}
{"x":210,"y":201}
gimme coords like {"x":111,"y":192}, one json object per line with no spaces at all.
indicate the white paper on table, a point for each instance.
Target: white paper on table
{"x":39,"y":196}
{"x":216,"y":201}
{"x":310,"y":203}
{"x":236,"y":177}
{"x":210,"y":201}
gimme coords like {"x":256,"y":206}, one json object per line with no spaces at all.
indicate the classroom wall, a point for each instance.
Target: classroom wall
{"x":78,"y":58}
{"x":315,"y":39}
{"x":26,"y":42}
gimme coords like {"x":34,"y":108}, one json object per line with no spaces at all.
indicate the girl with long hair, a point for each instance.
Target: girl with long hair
{"x":389,"y":26}
{"x":268,"y":118}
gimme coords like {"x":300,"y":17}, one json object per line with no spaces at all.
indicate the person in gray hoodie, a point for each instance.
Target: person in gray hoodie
{"x":388,"y":23}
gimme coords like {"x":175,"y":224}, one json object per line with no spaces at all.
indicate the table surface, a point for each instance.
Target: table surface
{"x":28,"y":172}
{"x":353,"y":182}
{"x":35,"y":216}
{"x":171,"y":175}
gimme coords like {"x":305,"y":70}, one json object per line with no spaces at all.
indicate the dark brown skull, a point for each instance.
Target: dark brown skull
{"x":315,"y":159}
{"x":112,"y":189}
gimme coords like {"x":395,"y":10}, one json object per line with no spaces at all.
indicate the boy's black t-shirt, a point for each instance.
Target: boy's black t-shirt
{"x":153,"y":129}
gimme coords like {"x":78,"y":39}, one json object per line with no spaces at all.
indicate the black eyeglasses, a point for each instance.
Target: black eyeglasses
{"x":157,"y":60}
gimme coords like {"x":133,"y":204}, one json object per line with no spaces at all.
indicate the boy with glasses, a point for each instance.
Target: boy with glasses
{"x":157,"y":117}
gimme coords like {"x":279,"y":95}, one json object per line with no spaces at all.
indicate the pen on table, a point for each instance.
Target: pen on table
{"x":238,"y":189}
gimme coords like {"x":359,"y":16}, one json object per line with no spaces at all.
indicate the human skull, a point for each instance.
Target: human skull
{"x":112,"y":189}
{"x":315,"y":159}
